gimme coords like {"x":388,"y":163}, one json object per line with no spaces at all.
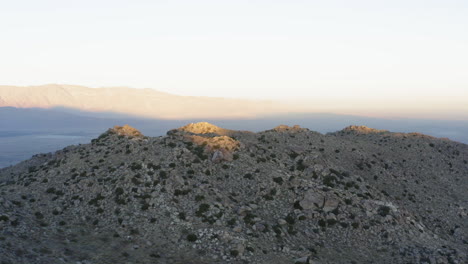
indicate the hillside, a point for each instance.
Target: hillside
{"x":204,"y":194}
{"x":147,"y":103}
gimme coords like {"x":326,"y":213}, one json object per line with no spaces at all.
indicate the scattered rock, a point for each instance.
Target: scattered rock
{"x":204,"y":194}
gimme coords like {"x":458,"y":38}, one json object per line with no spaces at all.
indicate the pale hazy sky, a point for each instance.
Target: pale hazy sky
{"x":367,"y":51}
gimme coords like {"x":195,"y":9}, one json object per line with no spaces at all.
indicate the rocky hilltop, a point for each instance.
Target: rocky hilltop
{"x":203,"y":194}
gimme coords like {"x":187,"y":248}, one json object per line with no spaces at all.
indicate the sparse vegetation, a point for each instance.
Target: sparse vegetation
{"x":254,"y":198}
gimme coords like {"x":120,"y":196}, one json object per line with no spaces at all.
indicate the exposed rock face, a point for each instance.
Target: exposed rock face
{"x":312,"y":199}
{"x":126,"y":130}
{"x":204,"y":128}
{"x":363,"y":130}
{"x":210,"y":140}
{"x":203,"y":194}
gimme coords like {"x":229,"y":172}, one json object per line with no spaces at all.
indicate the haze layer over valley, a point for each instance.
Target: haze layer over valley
{"x":40,"y":119}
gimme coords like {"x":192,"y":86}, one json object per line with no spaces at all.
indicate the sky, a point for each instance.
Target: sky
{"x":412,"y":53}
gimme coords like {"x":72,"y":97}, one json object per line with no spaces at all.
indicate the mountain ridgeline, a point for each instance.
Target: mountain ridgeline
{"x":204,"y":194}
{"x":143,"y":103}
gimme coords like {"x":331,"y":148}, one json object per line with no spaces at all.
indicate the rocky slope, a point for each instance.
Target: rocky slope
{"x":203,"y":194}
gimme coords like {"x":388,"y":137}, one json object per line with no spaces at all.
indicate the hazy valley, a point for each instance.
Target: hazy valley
{"x":28,"y":131}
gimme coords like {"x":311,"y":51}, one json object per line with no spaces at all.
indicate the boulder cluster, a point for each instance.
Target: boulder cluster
{"x":204,"y":194}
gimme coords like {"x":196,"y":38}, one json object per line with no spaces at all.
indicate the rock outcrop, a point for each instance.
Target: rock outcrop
{"x":362,"y":130}
{"x":127,"y":131}
{"x":205,"y":128}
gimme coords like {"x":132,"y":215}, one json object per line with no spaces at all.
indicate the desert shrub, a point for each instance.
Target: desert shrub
{"x":344,"y":224}
{"x":291,"y":230}
{"x":202,"y":208}
{"x":231,"y":222}
{"x":297,"y":205}
{"x":182,"y":216}
{"x":178,"y":192}
{"x":383,"y":210}
{"x":329,"y":180}
{"x":136,"y":166}
{"x":322,"y":223}
{"x":331,"y":222}
{"x":145,"y":206}
{"x":277,"y":229}
{"x":39,"y":215}
{"x":96,"y":200}
{"x":300,"y":165}
{"x":248,"y":218}
{"x":119,"y":191}
{"x":290,"y":219}
{"x":136,"y":181}
{"x":293,"y":155}
{"x":50,"y":190}
{"x":14,"y":222}
{"x":17,"y":203}
{"x":273,"y":192}
{"x":200,"y":152}
{"x":120,"y":201}
{"x":278,"y":180}
{"x":192,"y":237}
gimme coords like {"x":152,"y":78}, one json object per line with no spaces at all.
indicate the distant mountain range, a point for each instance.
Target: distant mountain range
{"x":146,"y":103}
